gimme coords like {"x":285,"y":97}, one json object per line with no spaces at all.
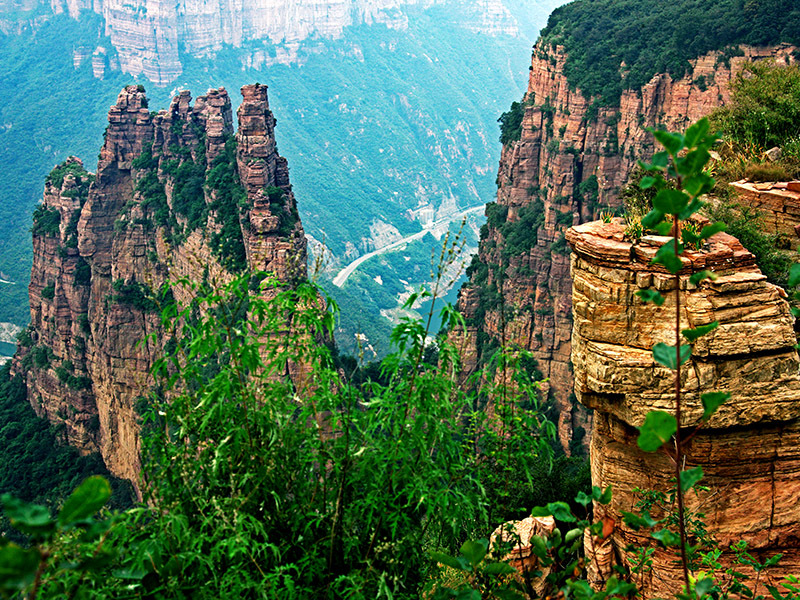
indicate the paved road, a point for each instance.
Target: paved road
{"x":342,"y":275}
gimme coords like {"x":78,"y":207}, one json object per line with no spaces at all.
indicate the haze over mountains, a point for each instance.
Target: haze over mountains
{"x":387,"y":114}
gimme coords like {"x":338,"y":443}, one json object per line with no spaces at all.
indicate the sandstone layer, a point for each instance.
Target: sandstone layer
{"x":176,"y":194}
{"x":748,"y":450}
{"x":569,"y":164}
{"x":778,"y":204}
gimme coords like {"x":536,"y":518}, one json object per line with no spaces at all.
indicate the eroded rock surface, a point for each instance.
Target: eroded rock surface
{"x":165,"y":204}
{"x":749,"y":450}
{"x":569,"y":164}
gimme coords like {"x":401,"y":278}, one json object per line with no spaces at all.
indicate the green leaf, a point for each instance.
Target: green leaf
{"x":698,"y":184}
{"x":561,"y":511}
{"x":651,"y":219}
{"x":660,"y":159}
{"x":573,"y":534}
{"x":672,"y":142}
{"x":697,"y":332}
{"x":663,"y":228}
{"x":636,"y":522}
{"x":474,"y":551}
{"x":666,"y":537}
{"x":689,"y":238}
{"x":712,"y":229}
{"x":658,"y":428}
{"x":469,"y":594}
{"x":695,"y":134}
{"x":651,"y":296}
{"x":700,"y":276}
{"x":85,"y":501}
{"x":602,"y":496}
{"x":794,"y":275}
{"x":583,"y":499}
{"x":449,"y":561}
{"x":692,"y":164}
{"x":670,"y":202}
{"x":499,"y":568}
{"x":29,"y":518}
{"x":17,"y":567}
{"x":712,"y":401}
{"x":507,"y":594}
{"x":666,"y":355}
{"x":666,"y":257}
{"x":694,"y":206}
{"x":704,"y":586}
{"x":647,"y":182}
{"x":690,"y":476}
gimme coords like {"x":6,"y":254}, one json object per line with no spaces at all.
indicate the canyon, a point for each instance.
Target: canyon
{"x":177,"y":194}
{"x":571,"y":159}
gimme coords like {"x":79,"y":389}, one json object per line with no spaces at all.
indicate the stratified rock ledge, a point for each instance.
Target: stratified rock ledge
{"x":749,"y":450}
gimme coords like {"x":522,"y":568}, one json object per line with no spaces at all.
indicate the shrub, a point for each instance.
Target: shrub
{"x":49,"y":291}
{"x":46,"y":221}
{"x":766,"y":172}
{"x":511,"y":123}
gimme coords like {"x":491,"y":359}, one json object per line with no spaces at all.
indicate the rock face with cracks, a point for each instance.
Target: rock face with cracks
{"x":569,"y":164}
{"x":176,"y":194}
{"x":750,"y":448}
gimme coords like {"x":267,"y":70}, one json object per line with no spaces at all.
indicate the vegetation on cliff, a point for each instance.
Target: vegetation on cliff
{"x":613,"y":45}
{"x":35,"y":465}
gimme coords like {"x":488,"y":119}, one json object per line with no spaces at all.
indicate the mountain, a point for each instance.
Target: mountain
{"x":176,"y":194}
{"x":387,"y":123}
{"x":597,"y":80}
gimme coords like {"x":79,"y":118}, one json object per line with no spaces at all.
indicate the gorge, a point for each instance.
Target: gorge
{"x":386,"y":478}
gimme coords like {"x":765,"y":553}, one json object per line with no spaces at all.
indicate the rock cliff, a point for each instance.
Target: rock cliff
{"x":749,"y":450}
{"x":176,"y":194}
{"x":562,"y":165}
{"x":151,"y":38}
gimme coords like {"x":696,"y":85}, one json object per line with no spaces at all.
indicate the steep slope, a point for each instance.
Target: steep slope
{"x":749,"y":448}
{"x":176,"y":194}
{"x":565,"y":159}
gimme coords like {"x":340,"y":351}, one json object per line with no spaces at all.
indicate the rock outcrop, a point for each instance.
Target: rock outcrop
{"x":569,"y":164}
{"x":749,"y":450}
{"x":778,"y":204}
{"x":165,"y":203}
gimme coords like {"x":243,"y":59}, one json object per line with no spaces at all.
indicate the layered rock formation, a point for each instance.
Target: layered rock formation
{"x":749,"y":450}
{"x":569,"y":164}
{"x":151,"y":38}
{"x":176,"y":194}
{"x":777,"y":202}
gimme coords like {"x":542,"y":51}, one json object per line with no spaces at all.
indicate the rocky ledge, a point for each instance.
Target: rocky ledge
{"x":749,"y":450}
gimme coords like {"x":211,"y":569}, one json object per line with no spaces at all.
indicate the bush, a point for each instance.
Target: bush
{"x":332,"y":490}
{"x":766,"y":172}
{"x":511,"y":123}
{"x":49,"y":291}
{"x":46,"y":221}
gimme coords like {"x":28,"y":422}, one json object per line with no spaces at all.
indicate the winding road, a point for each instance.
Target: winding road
{"x":342,"y":275}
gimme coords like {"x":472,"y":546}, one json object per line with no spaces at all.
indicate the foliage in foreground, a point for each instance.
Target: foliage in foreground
{"x":261,"y":485}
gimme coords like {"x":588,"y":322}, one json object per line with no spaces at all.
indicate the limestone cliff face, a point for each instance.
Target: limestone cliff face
{"x":569,"y":164}
{"x":151,"y":36}
{"x":749,"y":450}
{"x":165,"y":203}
